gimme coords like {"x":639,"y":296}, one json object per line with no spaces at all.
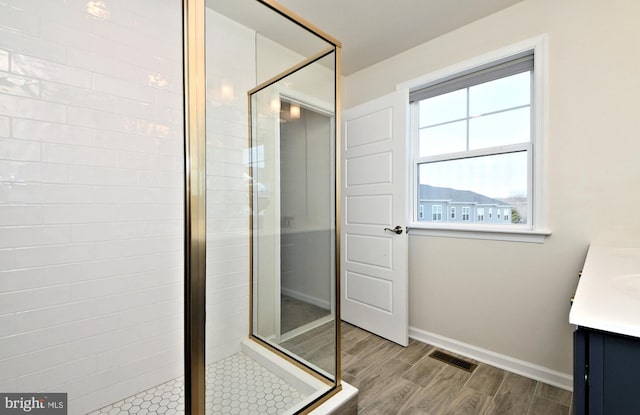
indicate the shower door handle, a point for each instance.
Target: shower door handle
{"x":397,"y":229}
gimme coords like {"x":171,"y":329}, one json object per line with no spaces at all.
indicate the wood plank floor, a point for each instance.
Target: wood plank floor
{"x":316,"y":346}
{"x":395,"y":380}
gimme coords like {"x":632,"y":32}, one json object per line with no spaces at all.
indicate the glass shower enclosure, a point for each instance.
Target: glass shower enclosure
{"x":168,"y":239}
{"x":293,"y":220}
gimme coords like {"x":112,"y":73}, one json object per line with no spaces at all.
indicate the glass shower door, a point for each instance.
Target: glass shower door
{"x":293,"y":193}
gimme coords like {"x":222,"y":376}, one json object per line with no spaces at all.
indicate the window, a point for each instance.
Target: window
{"x":453,"y":212}
{"x":421,"y":212}
{"x":474,"y":137}
{"x":466,"y":213}
{"x":436,"y":213}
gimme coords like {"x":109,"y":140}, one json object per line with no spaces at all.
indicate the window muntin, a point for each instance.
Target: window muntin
{"x":452,"y":130}
{"x":476,"y":143}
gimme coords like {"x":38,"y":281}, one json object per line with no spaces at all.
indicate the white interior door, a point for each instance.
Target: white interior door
{"x":374,"y":280}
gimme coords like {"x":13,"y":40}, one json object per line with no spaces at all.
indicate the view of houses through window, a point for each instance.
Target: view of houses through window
{"x":474,"y":146}
{"x":475,"y":208}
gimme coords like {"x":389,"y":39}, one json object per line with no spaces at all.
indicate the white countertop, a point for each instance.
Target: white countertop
{"x":608,"y":294}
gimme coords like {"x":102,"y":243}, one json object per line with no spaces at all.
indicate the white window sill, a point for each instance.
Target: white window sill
{"x":479,"y":232}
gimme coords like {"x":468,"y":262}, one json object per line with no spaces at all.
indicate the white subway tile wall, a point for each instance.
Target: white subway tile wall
{"x":91,"y":205}
{"x":228,"y":81}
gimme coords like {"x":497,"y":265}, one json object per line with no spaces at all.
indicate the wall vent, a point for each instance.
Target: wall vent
{"x":453,"y":361}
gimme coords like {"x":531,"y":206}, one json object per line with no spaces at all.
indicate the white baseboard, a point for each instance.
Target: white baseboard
{"x":521,"y":367}
{"x":306,"y":298}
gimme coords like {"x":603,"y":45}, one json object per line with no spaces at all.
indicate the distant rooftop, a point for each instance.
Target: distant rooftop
{"x":428,"y":192}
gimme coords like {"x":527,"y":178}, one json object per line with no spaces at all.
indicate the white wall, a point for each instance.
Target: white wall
{"x":513,"y":298}
{"x":91,"y":269}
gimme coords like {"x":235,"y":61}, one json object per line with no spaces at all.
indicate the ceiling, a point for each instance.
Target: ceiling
{"x":372,"y":34}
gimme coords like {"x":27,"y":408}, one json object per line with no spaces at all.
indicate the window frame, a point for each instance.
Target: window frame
{"x":436,"y":214}
{"x":466,"y":213}
{"x":536,"y":230}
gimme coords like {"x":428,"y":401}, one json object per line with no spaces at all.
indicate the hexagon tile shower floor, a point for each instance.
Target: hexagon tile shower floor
{"x":235,"y":385}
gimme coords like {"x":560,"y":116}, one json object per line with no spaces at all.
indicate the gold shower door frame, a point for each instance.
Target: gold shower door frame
{"x":195,"y":201}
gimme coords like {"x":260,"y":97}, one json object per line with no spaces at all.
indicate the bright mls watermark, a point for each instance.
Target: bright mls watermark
{"x":33,"y":403}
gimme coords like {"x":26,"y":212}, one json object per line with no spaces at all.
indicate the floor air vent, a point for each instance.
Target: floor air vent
{"x":453,"y":361}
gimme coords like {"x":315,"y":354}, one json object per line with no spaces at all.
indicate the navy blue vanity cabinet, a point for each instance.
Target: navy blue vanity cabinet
{"x":606,"y":373}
